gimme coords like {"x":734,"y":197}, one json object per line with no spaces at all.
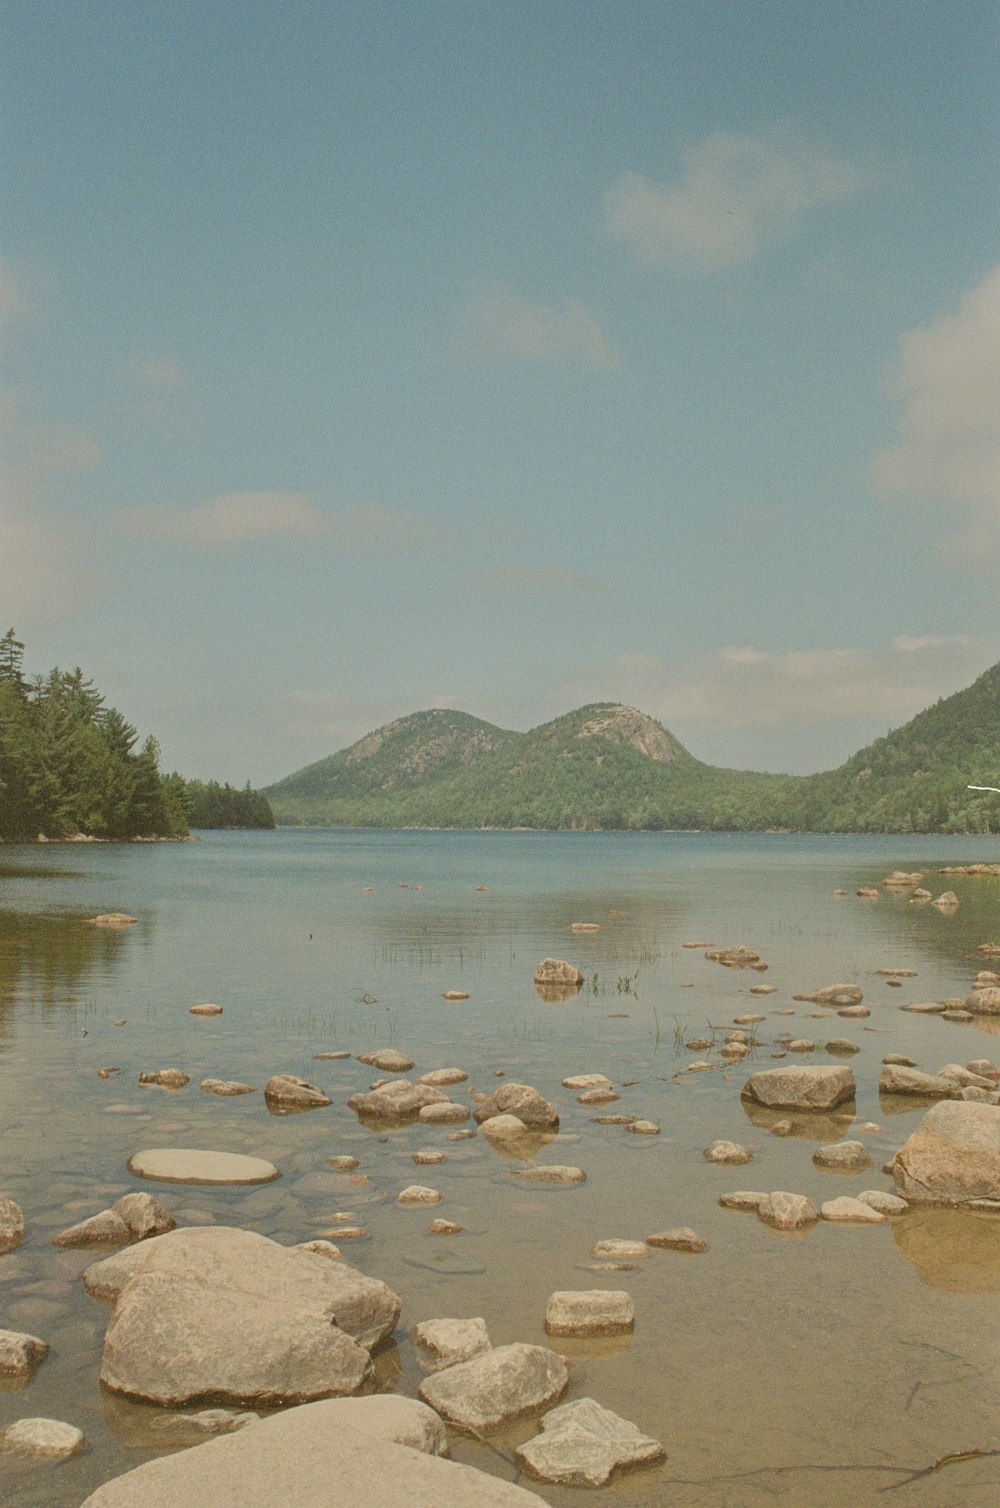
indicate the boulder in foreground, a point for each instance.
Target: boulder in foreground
{"x":952,"y":1157}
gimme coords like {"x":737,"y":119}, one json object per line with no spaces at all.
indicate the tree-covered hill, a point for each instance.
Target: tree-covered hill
{"x":607,"y":766}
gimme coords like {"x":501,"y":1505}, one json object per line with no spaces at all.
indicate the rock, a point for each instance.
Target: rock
{"x":614,"y":1120}
{"x":681,"y":1238}
{"x":43,"y":1439}
{"x":598,"y":1097}
{"x":20,"y":1354}
{"x":924,"y":1008}
{"x":747,"y":1201}
{"x":345,"y":1164}
{"x":417,"y":1194}
{"x":588,"y":1081}
{"x":726,"y":1152}
{"x":984,"y":1066}
{"x":492,"y":1390}
{"x":144,"y":1216}
{"x":328,"y":1056}
{"x":853,"y":1012}
{"x":952,"y":1157}
{"x":964,"y":1077}
{"x":819,"y":1088}
{"x":758,"y":989}
{"x":585,"y":926}
{"x":849,"y":1211}
{"x":427,"y":1158}
{"x":226,"y":1087}
{"x":898,"y":973}
{"x":444,"y":1115}
{"x":947,"y":900}
{"x":113,"y":919}
{"x":884,"y":1202}
{"x":104,"y":1229}
{"x":616,"y":1250}
{"x":957,"y":1015}
{"x":842,"y":1046}
{"x":550,"y":1173}
{"x":699,"y":1044}
{"x":590,"y":1311}
{"x":166,"y":1078}
{"x":397,"y":1101}
{"x":894,"y":1079}
{"x":920,"y":897}
{"x":867,"y":892}
{"x":186,"y":1429}
{"x":449,"y":1341}
{"x":643,"y":1128}
{"x":185,"y":1165}
{"x":738,"y":957}
{"x":388,"y":1059}
{"x":11,"y":1224}
{"x":441,"y":1078}
{"x":289,"y":1092}
{"x":984,"y":1002}
{"x":801,"y":1044}
{"x":834,"y":994}
{"x":338,"y":1450}
{"x":582,"y":1443}
{"x":898,"y":1060}
{"x":444,"y":1228}
{"x":105,"y":1279}
{"x":557,"y":971}
{"x":786,"y":1211}
{"x":455,"y":995}
{"x":322,"y":1249}
{"x":843,"y":1157}
{"x":524,"y":1102}
{"x":227,"y":1314}
{"x":204,"y":1010}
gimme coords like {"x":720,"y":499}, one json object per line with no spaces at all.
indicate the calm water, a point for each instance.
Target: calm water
{"x":817,"y":1370}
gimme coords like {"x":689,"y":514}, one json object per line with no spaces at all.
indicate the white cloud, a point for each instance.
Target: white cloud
{"x":500,"y":323}
{"x":735,"y":195}
{"x":158,"y":374}
{"x":247,"y":517}
{"x":815,"y":706}
{"x":947,"y":380}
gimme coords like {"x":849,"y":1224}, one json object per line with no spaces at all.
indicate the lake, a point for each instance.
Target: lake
{"x":823,"y":1369}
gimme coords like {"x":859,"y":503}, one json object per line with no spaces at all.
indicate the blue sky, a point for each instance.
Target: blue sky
{"x":361,"y":358}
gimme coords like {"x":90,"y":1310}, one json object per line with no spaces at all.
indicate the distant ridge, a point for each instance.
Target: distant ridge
{"x":608,"y":766}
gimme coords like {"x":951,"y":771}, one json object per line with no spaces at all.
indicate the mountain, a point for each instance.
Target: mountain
{"x":609,"y":766}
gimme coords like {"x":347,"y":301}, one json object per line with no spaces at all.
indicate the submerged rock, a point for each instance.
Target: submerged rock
{"x":226,"y":1087}
{"x":680,"y":1238}
{"x":388,"y":1059}
{"x":553,"y":1173}
{"x":582,"y":1443}
{"x":834,"y":995}
{"x":843,"y":1157}
{"x":396,"y":1101}
{"x":729,"y":1153}
{"x":187,"y":1165}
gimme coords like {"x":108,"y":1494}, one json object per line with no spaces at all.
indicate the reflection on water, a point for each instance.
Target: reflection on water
{"x":49,"y":960}
{"x":955,"y":1251}
{"x":809,"y":1125}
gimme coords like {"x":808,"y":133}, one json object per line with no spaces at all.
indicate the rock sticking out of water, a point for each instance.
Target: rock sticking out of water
{"x":11,"y":1224}
{"x":729,"y":1153}
{"x":843,"y":1157}
{"x":20,"y":1354}
{"x":784,"y":1211}
{"x":581,"y":1444}
{"x":820,"y":1088}
{"x":492,"y":1390}
{"x":848,"y":1211}
{"x":43,"y":1439}
{"x":446,"y":1342}
{"x":681,"y":1238}
{"x":589,"y":1311}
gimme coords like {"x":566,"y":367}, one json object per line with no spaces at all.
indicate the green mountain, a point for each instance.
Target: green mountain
{"x":609,"y":766}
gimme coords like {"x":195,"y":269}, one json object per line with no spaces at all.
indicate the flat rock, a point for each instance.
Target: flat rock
{"x":848,"y":1211}
{"x":843,"y":1157}
{"x":614,"y":1249}
{"x":598,"y":1097}
{"x":884,"y":1202}
{"x":20,"y":1354}
{"x":427,"y":1158}
{"x":589,"y":1311}
{"x":103,"y":1229}
{"x":726,"y":1152}
{"x":388,"y":1059}
{"x":444,"y":1115}
{"x":643,"y":1128}
{"x":680,"y":1238}
{"x":441,"y":1078}
{"x":226,"y":1087}
{"x":287,"y":1089}
{"x":524,"y":1102}
{"x":834,"y":995}
{"x":11,"y":1224}
{"x":801,"y":1088}
{"x":842,"y":1046}
{"x":894,"y":1079}
{"x":554,"y":1173}
{"x":785,"y":1211}
{"x":492,"y":1390}
{"x":227,"y":1315}
{"x":446,"y":1342}
{"x":953,"y":1157}
{"x":318,"y":1453}
{"x":581,"y":1444}
{"x":588,"y":1081}
{"x":455,"y":995}
{"x":186,"y":1165}
{"x":924,"y":1007}
{"x":899,"y":1060}
{"x":205,"y":1010}
{"x":747,"y":1201}
{"x":43,"y":1439}
{"x":853,"y":1012}
{"x":113,"y":919}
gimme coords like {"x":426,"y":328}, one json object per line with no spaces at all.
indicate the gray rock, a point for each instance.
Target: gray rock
{"x":786,"y":1211}
{"x":20,"y":1354}
{"x":11,"y":1224}
{"x":884,"y":1202}
{"x":43,"y":1439}
{"x":319,"y":1453}
{"x":105,"y":1279}
{"x":895,"y":1079}
{"x":446,"y":1342}
{"x":144,"y":1216}
{"x":953,"y":1157}
{"x":492,"y":1390}
{"x":388,"y":1059}
{"x":553,"y":1173}
{"x":286,"y":1090}
{"x":104,"y":1229}
{"x":589,"y":1311}
{"x":186,"y":1165}
{"x":524,"y":1102}
{"x":848,"y":1211}
{"x":582,"y":1443}
{"x":964,"y":1077}
{"x":843,"y":1157}
{"x":813,"y":1088}
{"x":729,"y":1153}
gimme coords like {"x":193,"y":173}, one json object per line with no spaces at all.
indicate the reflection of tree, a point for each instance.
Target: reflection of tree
{"x":47,"y":959}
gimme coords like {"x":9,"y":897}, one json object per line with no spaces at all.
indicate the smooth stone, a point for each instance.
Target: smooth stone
{"x":581,"y":1444}
{"x":897,"y":1059}
{"x":801,"y":1044}
{"x":321,"y":1248}
{"x":924,"y":1008}
{"x":643,"y":1128}
{"x":166,"y":1078}
{"x":785,"y":1211}
{"x":342,"y":1164}
{"x":104,"y":1229}
{"x":894,"y":1079}
{"x":553,"y":1173}
{"x":589,"y":1311}
{"x":884,"y":1202}
{"x":494,"y":1389}
{"x":205,"y":1010}
{"x":748,"y":1201}
{"x":854,"y":1012}
{"x":440,"y":1078}
{"x":43,"y":1439}
{"x":444,"y":1228}
{"x":753,"y":1020}
{"x":957,"y":1016}
{"x":388,"y":1059}
{"x":504,"y":1127}
{"x":848,"y":1211}
{"x":616,"y":1249}
{"x":20,"y":1354}
{"x":952,"y":1157}
{"x":598,"y":1097}
{"x":299,"y":1094}
{"x":11,"y":1224}
{"x":185,"y":1165}
{"x":588,"y":1081}
{"x":105,"y":1279}
{"x":813,"y":1088}
{"x":443,"y":1115}
{"x":524,"y":1102}
{"x":205,"y":1424}
{"x":726,"y":1152}
{"x":144,"y":1216}
{"x":843,"y":1157}
{"x":964,"y":1077}
{"x":427,"y":1158}
{"x":455,"y":995}
{"x":446,"y":1342}
{"x":326,"y":1057}
{"x":226,"y":1087}
{"x":842,"y":1046}
{"x":418,"y":1194}
{"x":680,"y":1238}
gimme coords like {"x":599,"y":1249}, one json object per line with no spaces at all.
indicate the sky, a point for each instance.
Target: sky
{"x":362,"y":358}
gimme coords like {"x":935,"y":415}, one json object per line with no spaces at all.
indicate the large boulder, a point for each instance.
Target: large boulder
{"x":491,"y":1390}
{"x":952,"y":1157}
{"x":228,"y":1315}
{"x":521,"y":1100}
{"x":895,"y":1079}
{"x":342,"y":1450}
{"x":984,"y":1002}
{"x":820,"y":1088}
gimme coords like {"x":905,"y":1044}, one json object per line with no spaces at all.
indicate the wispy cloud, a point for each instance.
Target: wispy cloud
{"x":237,"y":518}
{"x":497,"y":322}
{"x":947,"y":379}
{"x":735,"y":195}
